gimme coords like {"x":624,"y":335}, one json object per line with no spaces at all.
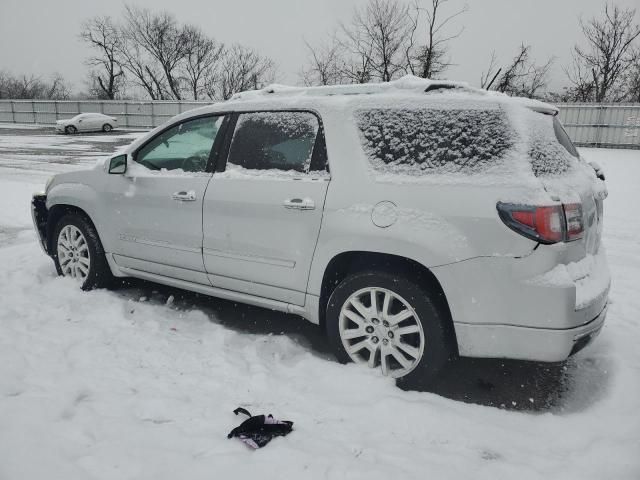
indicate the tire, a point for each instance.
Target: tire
{"x":417,"y":356}
{"x":75,"y":235}
{"x":107,"y":128}
{"x":70,"y":129}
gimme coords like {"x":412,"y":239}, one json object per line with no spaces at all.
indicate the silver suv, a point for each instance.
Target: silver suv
{"x":414,"y":220}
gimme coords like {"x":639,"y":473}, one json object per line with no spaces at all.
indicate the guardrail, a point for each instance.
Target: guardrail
{"x":614,"y":125}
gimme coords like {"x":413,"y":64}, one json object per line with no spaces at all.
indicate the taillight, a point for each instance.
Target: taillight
{"x":547,"y":224}
{"x":573,"y":215}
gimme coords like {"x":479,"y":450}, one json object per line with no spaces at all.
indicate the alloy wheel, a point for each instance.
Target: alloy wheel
{"x":381,"y":329}
{"x":73,"y":253}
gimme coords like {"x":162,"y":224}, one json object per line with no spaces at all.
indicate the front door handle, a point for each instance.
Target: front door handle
{"x":299,"y":203}
{"x":184,"y":196}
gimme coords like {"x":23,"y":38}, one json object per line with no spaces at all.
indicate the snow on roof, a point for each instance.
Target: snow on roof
{"x":408,"y":84}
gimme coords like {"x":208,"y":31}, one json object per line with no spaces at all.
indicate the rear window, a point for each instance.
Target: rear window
{"x":434,"y":141}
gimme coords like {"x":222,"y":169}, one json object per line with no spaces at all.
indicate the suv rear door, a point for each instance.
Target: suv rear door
{"x":262,"y":212}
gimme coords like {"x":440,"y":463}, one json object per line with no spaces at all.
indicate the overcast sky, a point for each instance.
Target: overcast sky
{"x":41,"y":36}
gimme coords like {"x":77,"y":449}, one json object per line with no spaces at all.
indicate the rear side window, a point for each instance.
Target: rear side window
{"x":551,"y":151}
{"x":434,"y":141}
{"x":276,"y":140}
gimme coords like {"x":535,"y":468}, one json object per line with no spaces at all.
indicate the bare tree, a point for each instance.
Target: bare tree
{"x":103,"y":37}
{"x":57,"y":89}
{"x":161,"y":37}
{"x":632,"y":81}
{"x":608,"y":55}
{"x":356,"y":65}
{"x":202,"y":55}
{"x":324,"y":64}
{"x":382,"y":25}
{"x":520,"y":77}
{"x":241,"y":68}
{"x":429,"y":59}
{"x":489,"y":77}
{"x":143,"y":70}
{"x":33,"y":87}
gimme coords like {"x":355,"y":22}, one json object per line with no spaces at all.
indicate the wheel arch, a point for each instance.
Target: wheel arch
{"x":349,"y":262}
{"x":55,"y":213}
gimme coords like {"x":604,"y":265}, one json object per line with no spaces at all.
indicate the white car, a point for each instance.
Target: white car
{"x":87,"y":122}
{"x":415,"y":221}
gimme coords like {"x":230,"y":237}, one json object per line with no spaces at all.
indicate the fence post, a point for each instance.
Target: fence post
{"x":601,"y":111}
{"x":33,"y":110}
{"x":153,"y":114}
{"x":126,"y":113}
{"x":13,"y":112}
{"x":55,"y":108}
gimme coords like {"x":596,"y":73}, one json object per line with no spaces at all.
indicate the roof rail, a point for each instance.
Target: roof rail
{"x":406,"y":83}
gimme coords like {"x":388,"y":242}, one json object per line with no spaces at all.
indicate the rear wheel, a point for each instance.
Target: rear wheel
{"x":107,"y":128}
{"x":78,"y":253}
{"x":70,"y":129}
{"x":389,"y":323}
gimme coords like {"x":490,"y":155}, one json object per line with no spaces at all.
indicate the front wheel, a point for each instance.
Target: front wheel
{"x":107,"y":128}
{"x":71,"y":130}
{"x":389,"y":323}
{"x":78,"y":253}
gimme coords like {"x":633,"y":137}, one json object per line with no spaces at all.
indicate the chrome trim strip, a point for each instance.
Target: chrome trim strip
{"x":278,"y":262}
{"x":157,"y":243}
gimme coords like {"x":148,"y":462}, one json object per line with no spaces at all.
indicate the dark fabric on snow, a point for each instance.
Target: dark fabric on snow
{"x":259,"y":430}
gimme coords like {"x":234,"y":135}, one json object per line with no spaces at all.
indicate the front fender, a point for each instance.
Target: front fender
{"x":80,"y":196}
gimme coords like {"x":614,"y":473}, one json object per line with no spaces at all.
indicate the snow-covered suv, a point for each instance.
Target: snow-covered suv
{"x":414,"y":220}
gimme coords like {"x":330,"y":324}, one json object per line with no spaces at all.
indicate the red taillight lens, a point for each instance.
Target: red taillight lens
{"x":548,"y":224}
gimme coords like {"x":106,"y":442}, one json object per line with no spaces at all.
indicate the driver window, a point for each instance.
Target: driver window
{"x":185,"y":146}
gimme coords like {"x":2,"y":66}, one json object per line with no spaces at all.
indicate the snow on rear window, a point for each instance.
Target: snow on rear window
{"x":547,"y":155}
{"x":434,"y":141}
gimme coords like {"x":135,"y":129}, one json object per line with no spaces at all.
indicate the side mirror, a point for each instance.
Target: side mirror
{"x":118,"y":165}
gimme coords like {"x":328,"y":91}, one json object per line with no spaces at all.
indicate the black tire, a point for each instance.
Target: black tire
{"x":99,"y":275}
{"x":438,"y":348}
{"x":107,"y":128}
{"x":70,"y":129}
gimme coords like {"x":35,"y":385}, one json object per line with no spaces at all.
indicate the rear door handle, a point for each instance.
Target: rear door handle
{"x":299,"y":203}
{"x":184,"y":196}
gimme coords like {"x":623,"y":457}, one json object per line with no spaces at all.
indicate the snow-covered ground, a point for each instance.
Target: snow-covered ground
{"x":141,"y":382}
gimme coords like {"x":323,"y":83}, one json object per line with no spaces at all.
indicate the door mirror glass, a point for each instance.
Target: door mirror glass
{"x":118,"y":165}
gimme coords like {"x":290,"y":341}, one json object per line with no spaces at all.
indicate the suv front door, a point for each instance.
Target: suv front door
{"x":156,"y":207}
{"x":262,"y":215}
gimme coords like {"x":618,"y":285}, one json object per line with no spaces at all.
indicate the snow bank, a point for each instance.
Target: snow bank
{"x":141,"y":384}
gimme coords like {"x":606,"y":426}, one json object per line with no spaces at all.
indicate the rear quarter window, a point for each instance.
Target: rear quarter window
{"x":551,"y":151}
{"x":434,"y":141}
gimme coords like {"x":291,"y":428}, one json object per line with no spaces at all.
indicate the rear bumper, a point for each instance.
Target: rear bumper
{"x":525,"y":343}
{"x":535,"y":308}
{"x":39,"y":215}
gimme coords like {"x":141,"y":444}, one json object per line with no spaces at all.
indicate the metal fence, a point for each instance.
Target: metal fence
{"x":588,"y":124}
{"x":129,"y":113}
{"x":614,"y":125}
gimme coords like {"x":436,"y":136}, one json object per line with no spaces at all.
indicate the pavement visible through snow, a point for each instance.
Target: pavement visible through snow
{"x":140,"y":382}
